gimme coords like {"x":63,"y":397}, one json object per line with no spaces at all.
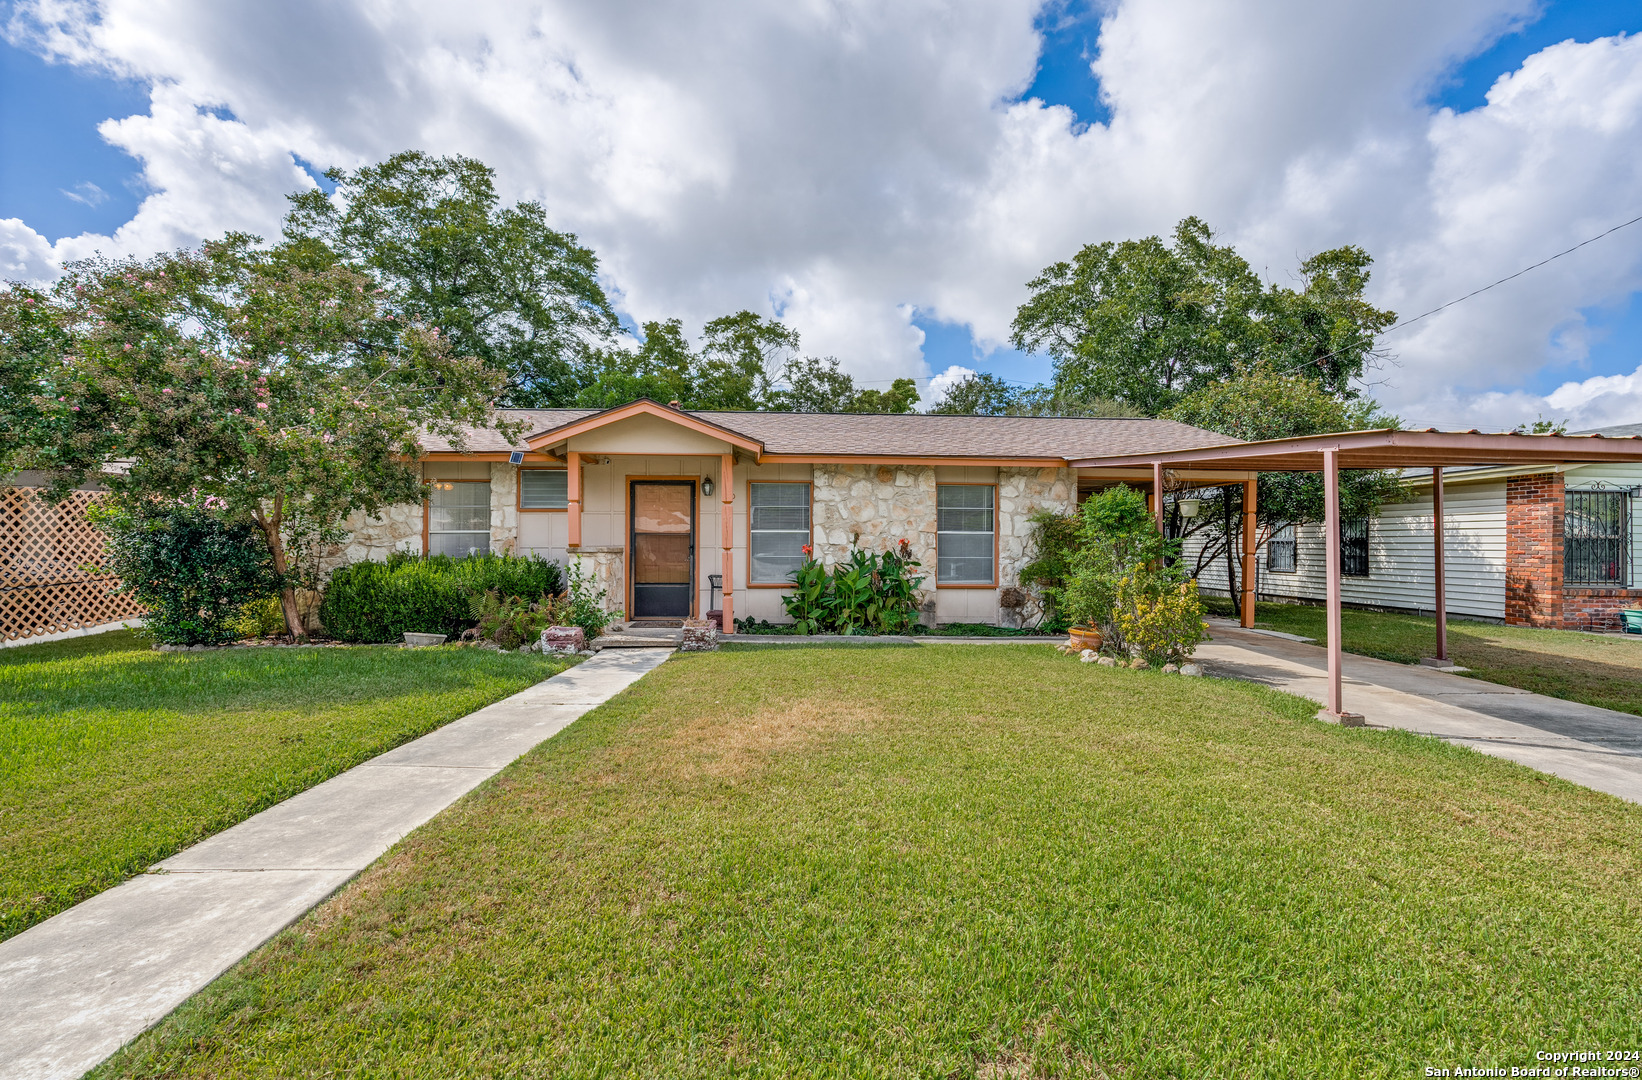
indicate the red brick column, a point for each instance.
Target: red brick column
{"x":1533,"y":550}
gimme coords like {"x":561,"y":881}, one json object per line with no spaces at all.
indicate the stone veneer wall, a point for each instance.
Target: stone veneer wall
{"x":606,"y":565}
{"x":875,"y":507}
{"x":1021,"y":492}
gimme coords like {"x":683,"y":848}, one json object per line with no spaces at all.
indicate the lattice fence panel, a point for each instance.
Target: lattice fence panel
{"x":52,"y":575}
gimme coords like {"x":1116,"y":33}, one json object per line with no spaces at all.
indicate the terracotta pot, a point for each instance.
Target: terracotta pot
{"x":1085,"y":637}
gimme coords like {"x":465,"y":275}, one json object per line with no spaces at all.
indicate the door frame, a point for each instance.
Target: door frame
{"x":627,"y":535}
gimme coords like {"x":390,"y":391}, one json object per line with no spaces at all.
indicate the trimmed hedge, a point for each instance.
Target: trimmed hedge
{"x":375,"y":602}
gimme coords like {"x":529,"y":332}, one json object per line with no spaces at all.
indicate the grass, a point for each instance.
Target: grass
{"x":955,"y":861}
{"x":113,"y":756}
{"x":1596,"y":669}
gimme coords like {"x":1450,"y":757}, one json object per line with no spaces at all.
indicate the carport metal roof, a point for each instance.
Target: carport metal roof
{"x":1378,"y":449}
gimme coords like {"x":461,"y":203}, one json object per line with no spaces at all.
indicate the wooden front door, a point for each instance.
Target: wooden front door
{"x":662,"y":548}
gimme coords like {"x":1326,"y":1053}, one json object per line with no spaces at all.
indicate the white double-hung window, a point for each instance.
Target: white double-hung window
{"x":965,"y":534}
{"x":458,"y":518}
{"x":778,"y":528}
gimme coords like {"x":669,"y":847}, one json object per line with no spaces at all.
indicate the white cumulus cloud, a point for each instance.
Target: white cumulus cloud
{"x":846,"y":163}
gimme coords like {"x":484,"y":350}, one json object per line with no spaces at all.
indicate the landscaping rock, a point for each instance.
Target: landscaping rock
{"x":699,"y":636}
{"x":1191,"y":669}
{"x":1139,"y":665}
{"x":563,"y":640}
{"x":423,"y":641}
{"x":1089,"y":656}
{"x":1107,"y":661}
{"x":1171,"y":668}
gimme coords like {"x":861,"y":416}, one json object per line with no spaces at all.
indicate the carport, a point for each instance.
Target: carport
{"x":1379,"y":449}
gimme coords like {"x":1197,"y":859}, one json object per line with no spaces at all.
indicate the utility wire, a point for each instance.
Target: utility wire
{"x":1433,"y":311}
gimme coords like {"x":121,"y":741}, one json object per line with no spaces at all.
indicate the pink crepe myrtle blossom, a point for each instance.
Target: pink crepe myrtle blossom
{"x":167,"y":390}
{"x":262,"y":404}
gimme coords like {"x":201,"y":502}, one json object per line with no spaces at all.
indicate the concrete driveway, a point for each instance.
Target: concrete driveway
{"x":1598,"y":748}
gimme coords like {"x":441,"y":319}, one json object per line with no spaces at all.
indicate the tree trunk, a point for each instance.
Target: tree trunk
{"x":1231,"y":558}
{"x":276,"y":548}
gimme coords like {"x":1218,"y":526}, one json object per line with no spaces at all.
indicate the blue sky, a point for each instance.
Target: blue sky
{"x":697,"y":259}
{"x":1071,"y":31}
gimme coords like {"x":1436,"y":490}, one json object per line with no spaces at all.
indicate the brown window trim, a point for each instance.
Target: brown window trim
{"x":747,"y":530}
{"x":993,"y":584}
{"x":519,"y":491}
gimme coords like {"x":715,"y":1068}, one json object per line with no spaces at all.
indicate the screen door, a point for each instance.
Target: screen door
{"x":663,"y":547}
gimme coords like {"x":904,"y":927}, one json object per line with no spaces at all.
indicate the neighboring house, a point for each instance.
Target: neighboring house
{"x":1546,"y":545}
{"x":659,"y":502}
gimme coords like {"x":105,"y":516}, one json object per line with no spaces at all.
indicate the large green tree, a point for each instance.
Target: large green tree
{"x":499,"y":281}
{"x":275,"y":383}
{"x":1147,"y":322}
{"x":735,"y":368}
{"x":988,"y":395}
{"x":818,"y":384}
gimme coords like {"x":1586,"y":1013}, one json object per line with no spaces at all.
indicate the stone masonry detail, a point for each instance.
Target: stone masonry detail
{"x":1021,"y":492}
{"x":874,"y":507}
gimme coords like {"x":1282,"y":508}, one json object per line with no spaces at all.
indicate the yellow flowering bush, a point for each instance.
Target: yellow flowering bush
{"x":1162,"y":620}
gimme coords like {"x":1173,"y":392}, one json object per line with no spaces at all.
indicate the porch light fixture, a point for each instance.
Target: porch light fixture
{"x":706,"y":486}
{"x":1188,"y":507}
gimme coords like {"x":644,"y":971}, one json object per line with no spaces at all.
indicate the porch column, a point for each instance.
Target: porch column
{"x":1157,"y":494}
{"x":726,"y":517}
{"x":1331,"y":539}
{"x":573,"y":484}
{"x":1251,"y":493}
{"x":1441,"y":595}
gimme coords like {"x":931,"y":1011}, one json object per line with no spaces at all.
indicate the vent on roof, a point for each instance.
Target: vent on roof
{"x":674,"y":404}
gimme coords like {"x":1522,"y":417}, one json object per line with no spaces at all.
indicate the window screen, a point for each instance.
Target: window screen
{"x":1354,"y":548}
{"x":544,"y":489}
{"x":964,"y":538}
{"x":1280,"y":550}
{"x":778,"y":529}
{"x":458,"y":518}
{"x":1596,"y":528}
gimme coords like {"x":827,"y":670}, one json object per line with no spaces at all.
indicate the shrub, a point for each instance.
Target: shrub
{"x":529,"y":577}
{"x":586,"y":602}
{"x":263,"y":618}
{"x":1160,"y":618}
{"x":380,"y":602}
{"x":866,"y":594}
{"x":190,"y":566}
{"x":1116,"y":536}
{"x":1055,"y":539}
{"x":513,"y":621}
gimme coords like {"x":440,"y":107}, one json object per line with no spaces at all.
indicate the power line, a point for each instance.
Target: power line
{"x":1422,"y":315}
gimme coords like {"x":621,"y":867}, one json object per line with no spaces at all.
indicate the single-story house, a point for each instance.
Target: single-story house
{"x":1538,"y":545}
{"x":677,"y":513}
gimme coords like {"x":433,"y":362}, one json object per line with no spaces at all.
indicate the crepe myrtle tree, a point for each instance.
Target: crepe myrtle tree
{"x":277,"y":383}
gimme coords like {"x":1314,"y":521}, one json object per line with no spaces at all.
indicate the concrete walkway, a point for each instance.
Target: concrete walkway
{"x":82,"y":984}
{"x":1597,"y":748}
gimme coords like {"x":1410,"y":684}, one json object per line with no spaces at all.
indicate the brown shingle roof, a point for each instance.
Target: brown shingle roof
{"x":909,"y":434}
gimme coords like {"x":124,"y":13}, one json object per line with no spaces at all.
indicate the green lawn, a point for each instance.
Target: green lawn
{"x":113,"y":756}
{"x":1603,"y":670}
{"x":965,"y":861}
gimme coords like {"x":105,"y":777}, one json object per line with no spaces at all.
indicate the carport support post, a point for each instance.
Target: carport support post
{"x":1251,"y":493}
{"x":726,"y":517}
{"x":1331,"y":541}
{"x":1441,"y":596}
{"x":1157,"y":494}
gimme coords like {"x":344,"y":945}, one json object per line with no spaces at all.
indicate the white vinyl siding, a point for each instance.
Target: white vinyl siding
{"x":458,"y":518}
{"x":544,"y":489}
{"x":1400,"y":570}
{"x":965,"y":534}
{"x":777,"y":531}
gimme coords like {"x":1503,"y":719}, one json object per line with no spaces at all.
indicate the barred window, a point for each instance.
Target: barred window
{"x":544,"y":489}
{"x":458,"y":518}
{"x":1596,"y":533}
{"x":1281,"y":556}
{"x":1354,"y":548}
{"x":965,"y":534}
{"x":778,"y":529}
